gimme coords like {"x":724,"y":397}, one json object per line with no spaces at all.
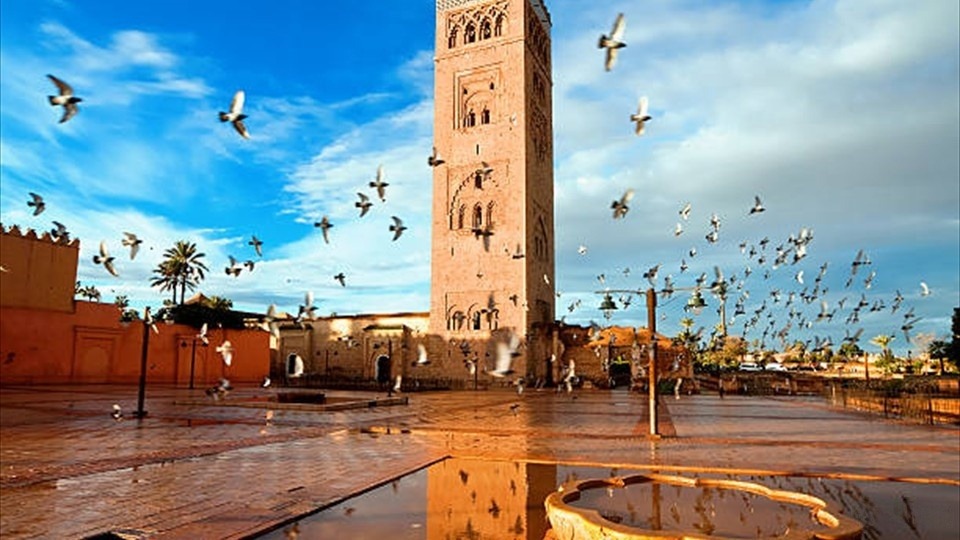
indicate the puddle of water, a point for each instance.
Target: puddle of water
{"x":472,"y":499}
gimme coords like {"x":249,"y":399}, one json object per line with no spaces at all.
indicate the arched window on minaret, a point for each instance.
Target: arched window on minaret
{"x":485,"y":116}
{"x":498,"y":26}
{"x":493,"y":319}
{"x":456,"y":321}
{"x":476,"y":321}
{"x":477,"y":216}
{"x":485,"y":32}
{"x":470,"y":34}
{"x":460,"y":213}
{"x":490,"y":214}
{"x":471,"y":119}
{"x":478,"y":180}
{"x":452,"y":38}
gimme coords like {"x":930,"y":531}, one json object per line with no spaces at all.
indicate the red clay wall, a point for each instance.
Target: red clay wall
{"x":89,"y":345}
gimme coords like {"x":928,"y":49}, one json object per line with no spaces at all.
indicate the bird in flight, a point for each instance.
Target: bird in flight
{"x":434,"y":160}
{"x":234,"y":268}
{"x":37,"y":203}
{"x":65,"y":99}
{"x":341,"y":278}
{"x":924,"y":289}
{"x":363,"y":204}
{"x":613,"y":42}
{"x":60,"y":232}
{"x":620,"y":207}
{"x":397,"y":228}
{"x":380,"y":185}
{"x":757,"y":205}
{"x":226,"y":351}
{"x":324,"y":225}
{"x":506,"y":352}
{"x":640,"y":117}
{"x":257,"y":245}
{"x":422,"y":358}
{"x":105,"y":259}
{"x":685,"y":211}
{"x":130,"y":240}
{"x":235,"y":116}
{"x":202,"y":336}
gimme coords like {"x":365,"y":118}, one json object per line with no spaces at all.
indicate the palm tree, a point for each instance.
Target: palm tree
{"x":219,"y":303}
{"x":882,"y":341}
{"x":181,"y":267}
{"x":938,"y":350}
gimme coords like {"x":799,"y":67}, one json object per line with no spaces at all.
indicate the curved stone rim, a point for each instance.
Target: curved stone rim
{"x":574,"y":523}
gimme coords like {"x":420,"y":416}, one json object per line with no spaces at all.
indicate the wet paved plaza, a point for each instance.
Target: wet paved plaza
{"x":194,"y":468}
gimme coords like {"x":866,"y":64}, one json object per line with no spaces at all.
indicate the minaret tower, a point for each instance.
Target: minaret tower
{"x":493,"y":240}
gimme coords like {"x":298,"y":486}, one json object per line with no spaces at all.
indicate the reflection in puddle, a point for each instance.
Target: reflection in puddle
{"x":471,"y":499}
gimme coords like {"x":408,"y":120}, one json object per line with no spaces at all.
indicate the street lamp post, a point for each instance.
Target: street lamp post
{"x":144,"y":349}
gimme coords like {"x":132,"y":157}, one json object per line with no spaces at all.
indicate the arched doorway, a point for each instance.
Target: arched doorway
{"x":383,"y":370}
{"x":620,"y":373}
{"x":294,"y":365}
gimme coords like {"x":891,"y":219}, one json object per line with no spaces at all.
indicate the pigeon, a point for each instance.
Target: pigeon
{"x":60,"y":232}
{"x":249,"y":264}
{"x":924,"y":289}
{"x":396,"y":385}
{"x":397,"y":228}
{"x":341,"y":278}
{"x":324,"y":225}
{"x":757,"y":205}
{"x":37,"y":203}
{"x":506,"y":352}
{"x":221,"y":390}
{"x":257,"y":245}
{"x":292,"y":532}
{"x":226,"y":351}
{"x":202,"y":336}
{"x":620,"y":207}
{"x":297,"y":367}
{"x":678,"y":230}
{"x":236,"y":116}
{"x":265,"y":383}
{"x":613,"y":42}
{"x":485,"y":170}
{"x":65,"y":98}
{"x":307,"y":309}
{"x":434,"y":160}
{"x":380,"y":185}
{"x":685,"y":211}
{"x":640,"y":117}
{"x":132,"y":242}
{"x":117,"y":413}
{"x":422,"y":358}
{"x":234,"y":268}
{"x":105,"y":259}
{"x":363,"y":204}
{"x":270,"y":321}
{"x":582,"y":250}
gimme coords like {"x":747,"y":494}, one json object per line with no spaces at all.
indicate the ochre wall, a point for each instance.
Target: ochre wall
{"x":39,"y":272}
{"x":89,"y":345}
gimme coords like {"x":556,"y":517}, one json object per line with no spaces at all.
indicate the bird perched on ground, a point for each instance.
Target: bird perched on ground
{"x":434,"y":160}
{"x":37,"y":204}
{"x":117,"y":413}
{"x":257,"y":245}
{"x":130,"y":240}
{"x":620,"y":208}
{"x":292,"y":532}
{"x":325,"y":226}
{"x":613,"y":42}
{"x":396,"y":385}
{"x":757,"y":205}
{"x":105,"y":259}
{"x":235,"y":116}
{"x":341,"y":278}
{"x":363,"y":204}
{"x":221,"y":390}
{"x":640,"y":117}
{"x":65,"y":99}
{"x":226,"y":351}
{"x":397,"y":228}
{"x":380,"y":185}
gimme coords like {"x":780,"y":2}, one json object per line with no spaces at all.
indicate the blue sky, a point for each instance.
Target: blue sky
{"x":843,"y":116}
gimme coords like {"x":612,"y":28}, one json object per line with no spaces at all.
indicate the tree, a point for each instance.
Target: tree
{"x":954,"y":355}
{"x":182,"y":267}
{"x":886,"y":361}
{"x":218,"y":303}
{"x":939,"y":350}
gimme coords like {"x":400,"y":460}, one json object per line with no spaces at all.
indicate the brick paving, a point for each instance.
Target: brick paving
{"x":197,"y":469}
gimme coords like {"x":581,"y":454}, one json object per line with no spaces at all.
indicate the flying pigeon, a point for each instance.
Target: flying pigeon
{"x":396,"y":385}
{"x":66,"y":99}
{"x":620,"y":207}
{"x":132,"y":242}
{"x":924,"y":289}
{"x":685,"y":211}
{"x":37,"y":204}
{"x":249,"y":264}
{"x":422,"y":358}
{"x":270,"y":321}
{"x":234,"y":268}
{"x":202,"y":336}
{"x":757,"y":205}
{"x":324,"y":225}
{"x":678,"y":230}
{"x":117,"y":413}
{"x":297,"y":367}
{"x":307,"y":309}
{"x":613,"y":42}
{"x":236,"y":116}
{"x":341,"y":278}
{"x":380,"y":185}
{"x":397,"y":228}
{"x":226,"y":351}
{"x":582,"y":250}
{"x":434,"y":160}
{"x":485,"y":170}
{"x":60,"y":232}
{"x":363,"y":204}
{"x":640,"y":117}
{"x":506,"y":352}
{"x":257,"y":245}
{"x":105,"y":259}
{"x":266,"y":382}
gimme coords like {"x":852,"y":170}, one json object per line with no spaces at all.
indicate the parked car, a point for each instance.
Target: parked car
{"x":749,"y":366}
{"x":774,"y":366}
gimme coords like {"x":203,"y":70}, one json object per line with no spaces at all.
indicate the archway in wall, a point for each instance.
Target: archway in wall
{"x":383,"y":369}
